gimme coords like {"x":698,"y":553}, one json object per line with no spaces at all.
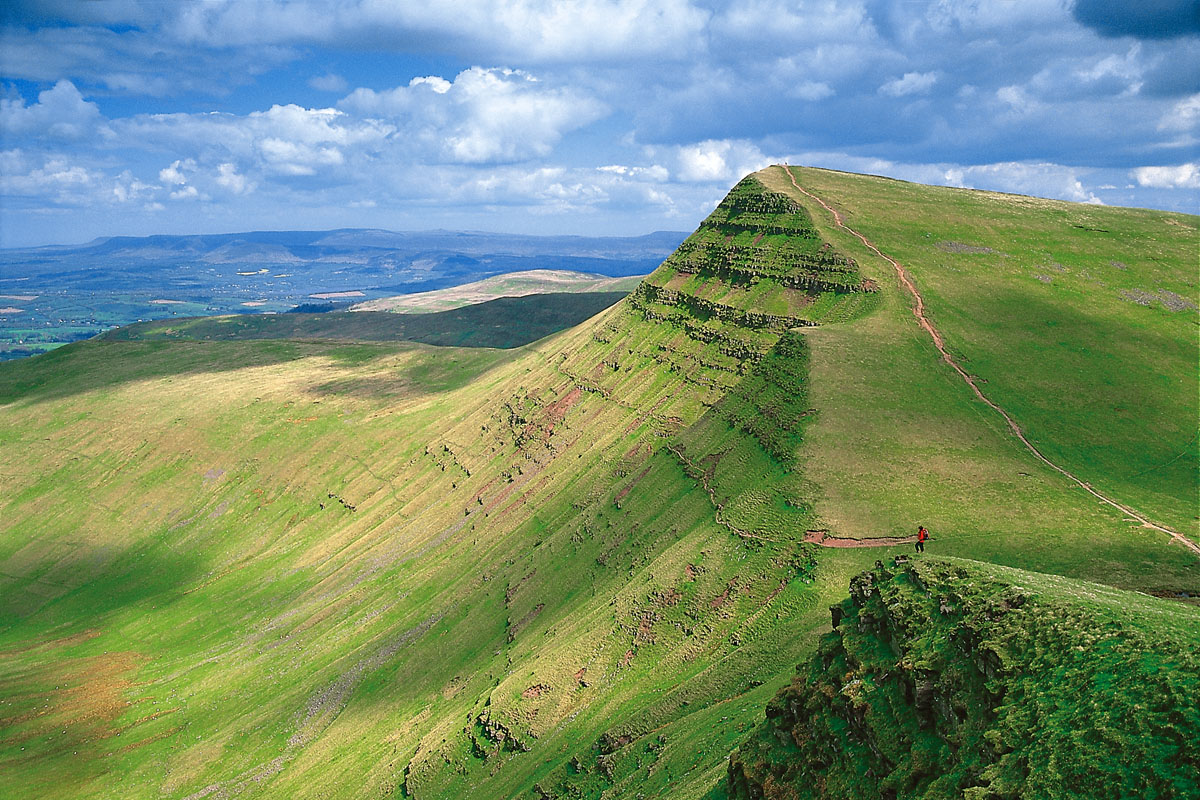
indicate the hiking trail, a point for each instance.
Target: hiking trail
{"x":940,"y":344}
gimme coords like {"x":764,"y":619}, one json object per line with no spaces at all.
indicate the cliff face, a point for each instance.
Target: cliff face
{"x":946,"y":679}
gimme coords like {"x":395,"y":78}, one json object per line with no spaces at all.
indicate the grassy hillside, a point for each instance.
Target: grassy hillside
{"x":951,"y":679}
{"x":514,"y":284}
{"x":1081,"y":320}
{"x":314,"y":568}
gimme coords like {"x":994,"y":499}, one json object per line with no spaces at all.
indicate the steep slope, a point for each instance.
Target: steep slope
{"x":948,"y":679}
{"x":581,"y":568}
{"x":388,"y":568}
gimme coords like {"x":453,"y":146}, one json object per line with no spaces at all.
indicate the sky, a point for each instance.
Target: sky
{"x":597,"y":117}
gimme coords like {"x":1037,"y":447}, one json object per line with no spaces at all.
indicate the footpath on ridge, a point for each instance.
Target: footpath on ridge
{"x":940,"y":343}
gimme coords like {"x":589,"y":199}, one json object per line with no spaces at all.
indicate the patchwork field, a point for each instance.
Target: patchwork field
{"x":317,"y":567}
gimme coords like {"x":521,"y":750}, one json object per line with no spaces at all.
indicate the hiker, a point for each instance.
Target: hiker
{"x":922,"y":535}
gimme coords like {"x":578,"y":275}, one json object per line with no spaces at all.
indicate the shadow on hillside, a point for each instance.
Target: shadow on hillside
{"x":86,"y":583}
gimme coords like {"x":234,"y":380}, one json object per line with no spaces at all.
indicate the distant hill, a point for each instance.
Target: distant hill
{"x":514,"y":284}
{"x":53,"y":295}
{"x":319,"y":566}
{"x":502,"y":322}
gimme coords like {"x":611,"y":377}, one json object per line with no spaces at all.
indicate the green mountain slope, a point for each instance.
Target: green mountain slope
{"x":283,"y":568}
{"x":949,"y":679}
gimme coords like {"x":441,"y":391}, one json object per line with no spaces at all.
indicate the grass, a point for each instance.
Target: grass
{"x":330,"y":565}
{"x":1102,"y":384}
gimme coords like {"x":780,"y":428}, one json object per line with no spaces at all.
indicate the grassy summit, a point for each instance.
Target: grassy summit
{"x":317,"y":567}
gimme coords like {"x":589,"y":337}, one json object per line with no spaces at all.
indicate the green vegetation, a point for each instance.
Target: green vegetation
{"x":950,"y":678}
{"x":328,"y":563}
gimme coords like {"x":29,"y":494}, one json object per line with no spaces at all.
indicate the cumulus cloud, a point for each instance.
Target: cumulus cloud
{"x":641,"y":108}
{"x":286,"y":140}
{"x":1040,"y":179}
{"x":909,"y":83}
{"x":57,"y":180}
{"x":483,"y":116}
{"x":229,"y":179}
{"x":718,"y":160}
{"x":59,"y":113}
{"x":1184,"y":176}
{"x":173,"y":174}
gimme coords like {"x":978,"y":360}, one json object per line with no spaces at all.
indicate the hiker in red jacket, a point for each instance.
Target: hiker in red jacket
{"x":922,"y":535}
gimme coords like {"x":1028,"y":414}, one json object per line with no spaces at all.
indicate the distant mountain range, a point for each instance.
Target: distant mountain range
{"x":349,"y":246}
{"x":50,"y":295}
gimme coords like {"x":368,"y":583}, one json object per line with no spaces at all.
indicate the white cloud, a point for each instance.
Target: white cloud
{"x":138,"y":60}
{"x":174,"y":174}
{"x":533,"y":30}
{"x":1183,"y":116}
{"x":329,"y":82}
{"x":909,"y":83}
{"x":228,"y":178}
{"x":484,"y":116}
{"x":718,"y":160}
{"x":654,"y":172}
{"x":186,"y":193}
{"x":1040,"y":179}
{"x":57,"y":180}
{"x":287,"y":157}
{"x":128,"y":188}
{"x":60,"y":112}
{"x":284,"y":140}
{"x":1017,"y":99}
{"x":1125,"y":69}
{"x":977,"y":17}
{"x":435,"y":82}
{"x":1184,"y":176}
{"x":790,"y":24}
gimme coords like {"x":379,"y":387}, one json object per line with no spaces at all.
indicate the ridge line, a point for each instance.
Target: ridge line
{"x":940,"y":343}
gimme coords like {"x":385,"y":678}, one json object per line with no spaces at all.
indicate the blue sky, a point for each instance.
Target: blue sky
{"x":592,"y":116}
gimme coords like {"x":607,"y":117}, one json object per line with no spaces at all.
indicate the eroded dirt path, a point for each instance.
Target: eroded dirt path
{"x":823,"y":539}
{"x":940,"y":343}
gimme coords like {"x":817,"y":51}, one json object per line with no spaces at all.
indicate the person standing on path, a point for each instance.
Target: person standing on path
{"x":922,"y":535}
